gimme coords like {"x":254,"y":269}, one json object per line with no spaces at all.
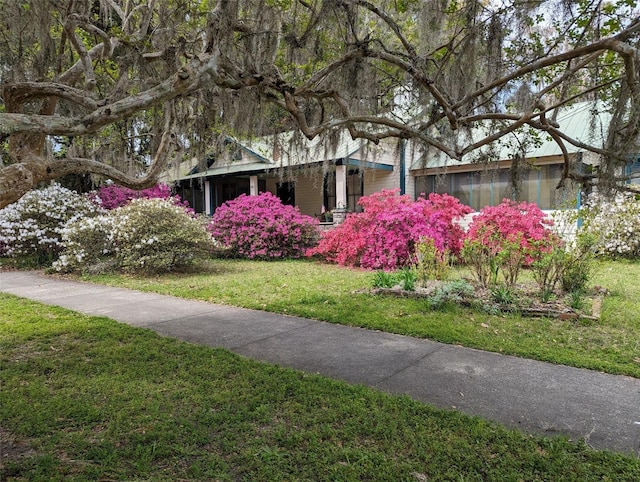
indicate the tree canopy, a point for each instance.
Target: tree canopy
{"x":122,"y":88}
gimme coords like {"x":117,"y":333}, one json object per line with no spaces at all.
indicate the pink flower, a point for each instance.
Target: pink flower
{"x":385,"y":234}
{"x":262,"y":227}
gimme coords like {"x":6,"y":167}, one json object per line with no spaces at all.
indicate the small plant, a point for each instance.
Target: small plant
{"x":576,"y":300}
{"x":503,"y":295}
{"x":407,"y":279}
{"x":449,"y":294}
{"x":431,"y":263}
{"x":481,"y":259}
{"x":510,"y":259}
{"x":548,"y":264}
{"x":578,"y":267}
{"x":546,"y":295}
{"x":383,"y":279}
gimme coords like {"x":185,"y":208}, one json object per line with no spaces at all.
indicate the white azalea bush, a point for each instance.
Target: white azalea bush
{"x":87,"y":245}
{"x":613,"y":224}
{"x":145,"y":236}
{"x":32,"y":227}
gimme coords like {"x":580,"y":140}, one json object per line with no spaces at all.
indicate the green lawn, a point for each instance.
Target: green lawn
{"x":324,"y":292}
{"x":86,"y":398}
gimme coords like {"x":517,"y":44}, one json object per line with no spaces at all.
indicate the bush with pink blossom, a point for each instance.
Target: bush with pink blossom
{"x":262,"y":227}
{"x":511,"y":221}
{"x":112,"y":196}
{"x":384,"y":235}
{"x":505,"y":237}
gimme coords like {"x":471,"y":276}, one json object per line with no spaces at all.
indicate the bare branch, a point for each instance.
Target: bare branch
{"x":26,"y":91}
{"x":70,"y":26}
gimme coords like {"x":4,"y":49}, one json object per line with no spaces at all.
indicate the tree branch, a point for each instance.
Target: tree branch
{"x":24,"y":92}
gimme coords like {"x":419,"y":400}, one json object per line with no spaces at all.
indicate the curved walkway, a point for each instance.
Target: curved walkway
{"x":536,"y":397}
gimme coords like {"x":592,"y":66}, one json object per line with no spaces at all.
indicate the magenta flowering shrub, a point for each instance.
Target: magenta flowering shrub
{"x":384,"y":235}
{"x":511,"y":222}
{"x":113,"y":196}
{"x":262,"y":227}
{"x":450,"y":209}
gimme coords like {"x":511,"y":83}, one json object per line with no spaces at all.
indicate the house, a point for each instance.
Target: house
{"x":322,"y":176}
{"x":479,"y":183}
{"x":317,"y":176}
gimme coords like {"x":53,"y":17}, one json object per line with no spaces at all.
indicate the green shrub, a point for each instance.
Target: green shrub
{"x":578,"y":267}
{"x":431,"y":263}
{"x":145,"y":236}
{"x":155,"y":236}
{"x":482,"y":259}
{"x":87,"y":243}
{"x":547,"y":270}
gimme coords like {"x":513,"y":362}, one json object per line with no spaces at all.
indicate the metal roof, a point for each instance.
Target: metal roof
{"x":584,"y":121}
{"x":293,"y":150}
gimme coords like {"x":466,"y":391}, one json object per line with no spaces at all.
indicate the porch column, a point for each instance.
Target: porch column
{"x":207,"y":198}
{"x":341,"y":186}
{"x":339,"y":212}
{"x":253,"y":185}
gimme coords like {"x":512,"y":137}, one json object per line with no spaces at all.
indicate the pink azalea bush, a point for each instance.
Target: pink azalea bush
{"x":511,"y":222}
{"x":262,"y":227}
{"x":112,"y":196}
{"x":451,"y":209}
{"x":384,"y":235}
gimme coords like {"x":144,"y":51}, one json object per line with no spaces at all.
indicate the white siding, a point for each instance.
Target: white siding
{"x":376,"y":180}
{"x":272,"y":186}
{"x":309,"y":195}
{"x":565,"y":228}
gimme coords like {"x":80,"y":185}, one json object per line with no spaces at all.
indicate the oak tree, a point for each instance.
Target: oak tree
{"x":122,"y":88}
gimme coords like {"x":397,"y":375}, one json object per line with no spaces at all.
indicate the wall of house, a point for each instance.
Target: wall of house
{"x":272,"y":185}
{"x":308,"y":193}
{"x":376,"y":180}
{"x":386,"y":152}
{"x":564,"y":224}
{"x":488,"y":188}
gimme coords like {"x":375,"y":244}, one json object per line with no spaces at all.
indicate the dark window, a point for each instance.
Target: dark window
{"x":355,"y":190}
{"x":228,"y":188}
{"x":286,"y":192}
{"x":193,"y":193}
{"x":488,"y":188}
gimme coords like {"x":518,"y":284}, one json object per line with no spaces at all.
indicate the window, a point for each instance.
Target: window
{"x":488,"y":188}
{"x":633,"y":170}
{"x":226,"y":189}
{"x":286,"y":192}
{"x":355,"y":190}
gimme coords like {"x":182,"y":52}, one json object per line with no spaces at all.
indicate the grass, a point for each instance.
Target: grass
{"x":319,"y":291}
{"x":86,"y":398}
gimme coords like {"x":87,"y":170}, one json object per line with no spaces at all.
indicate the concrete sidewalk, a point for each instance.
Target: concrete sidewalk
{"x":536,"y":397}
